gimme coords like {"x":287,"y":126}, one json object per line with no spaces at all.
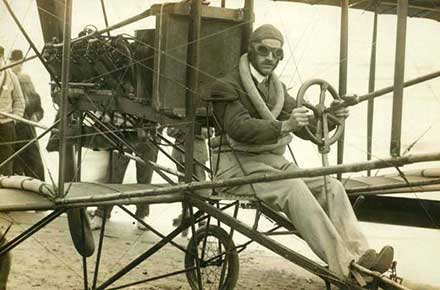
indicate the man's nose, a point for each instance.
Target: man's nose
{"x":270,"y":56}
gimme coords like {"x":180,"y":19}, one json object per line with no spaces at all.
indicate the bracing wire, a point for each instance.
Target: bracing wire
{"x":202,"y":72}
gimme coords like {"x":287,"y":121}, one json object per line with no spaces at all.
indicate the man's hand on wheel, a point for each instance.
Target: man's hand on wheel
{"x":298,"y":119}
{"x":342,"y":112}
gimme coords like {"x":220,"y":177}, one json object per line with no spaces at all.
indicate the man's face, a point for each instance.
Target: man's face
{"x":265,"y":55}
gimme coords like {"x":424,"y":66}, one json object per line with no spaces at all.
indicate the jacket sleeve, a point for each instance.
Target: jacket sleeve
{"x":32,"y":98}
{"x":289,"y":105}
{"x":18,"y":102}
{"x":235,"y":119}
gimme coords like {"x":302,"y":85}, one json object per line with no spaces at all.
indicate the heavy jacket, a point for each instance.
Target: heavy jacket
{"x":238,"y":117}
{"x":33,"y":110}
{"x":11,"y":96}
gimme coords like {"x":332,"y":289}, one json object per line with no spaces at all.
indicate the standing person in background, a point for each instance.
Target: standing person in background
{"x":200,"y":151}
{"x":28,"y":162}
{"x":144,"y":173}
{"x":200,"y":154}
{"x":11,"y":101}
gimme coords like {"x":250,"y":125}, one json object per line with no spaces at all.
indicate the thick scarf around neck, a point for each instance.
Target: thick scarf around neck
{"x":255,"y":96}
{"x":262,"y":109}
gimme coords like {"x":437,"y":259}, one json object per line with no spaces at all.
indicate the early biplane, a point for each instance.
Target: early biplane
{"x":159,"y":78}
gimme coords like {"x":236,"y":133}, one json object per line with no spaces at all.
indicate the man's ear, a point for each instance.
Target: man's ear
{"x":250,"y":49}
{"x":251,"y":53}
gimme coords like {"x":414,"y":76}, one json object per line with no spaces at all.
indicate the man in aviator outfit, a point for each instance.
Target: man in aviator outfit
{"x":257,"y":115}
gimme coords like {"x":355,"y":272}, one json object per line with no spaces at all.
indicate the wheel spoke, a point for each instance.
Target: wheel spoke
{"x":324,"y":87}
{"x":318,"y":129}
{"x":310,"y":107}
{"x":334,"y":119}
{"x":215,"y":266}
{"x":325,"y":129}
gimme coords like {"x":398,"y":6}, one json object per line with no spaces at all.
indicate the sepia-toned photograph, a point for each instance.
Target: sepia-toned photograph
{"x":219,"y":144}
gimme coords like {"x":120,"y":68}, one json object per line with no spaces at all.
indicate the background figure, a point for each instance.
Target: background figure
{"x":11,"y":101}
{"x":28,"y":162}
{"x":144,"y":174}
{"x":200,"y":151}
{"x":200,"y":154}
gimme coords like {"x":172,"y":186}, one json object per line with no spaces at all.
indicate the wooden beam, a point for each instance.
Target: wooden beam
{"x":343,"y":70}
{"x":399,"y":75}
{"x":371,"y":85}
{"x":65,"y":160}
{"x":248,"y":26}
{"x":300,"y":173}
{"x":192,"y":84}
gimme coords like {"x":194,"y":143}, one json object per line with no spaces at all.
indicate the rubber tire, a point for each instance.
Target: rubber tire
{"x":231,"y":277}
{"x":80,"y":231}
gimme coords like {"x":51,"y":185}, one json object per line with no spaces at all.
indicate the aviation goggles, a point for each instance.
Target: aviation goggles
{"x":265,"y":50}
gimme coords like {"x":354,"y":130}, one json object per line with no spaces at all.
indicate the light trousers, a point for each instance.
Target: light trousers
{"x":328,"y":225}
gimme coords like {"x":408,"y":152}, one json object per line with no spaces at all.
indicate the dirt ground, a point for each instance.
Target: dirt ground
{"x":49,"y":261}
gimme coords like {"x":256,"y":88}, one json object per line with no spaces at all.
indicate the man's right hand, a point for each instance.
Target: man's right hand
{"x":298,"y":119}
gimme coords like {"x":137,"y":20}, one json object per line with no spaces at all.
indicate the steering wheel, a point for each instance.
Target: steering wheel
{"x":320,"y":134}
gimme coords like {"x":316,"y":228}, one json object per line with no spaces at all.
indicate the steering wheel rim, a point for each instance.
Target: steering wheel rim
{"x":321,"y":138}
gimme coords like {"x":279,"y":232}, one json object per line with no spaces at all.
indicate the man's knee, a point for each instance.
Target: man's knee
{"x":297,"y":191}
{"x":336,"y":187}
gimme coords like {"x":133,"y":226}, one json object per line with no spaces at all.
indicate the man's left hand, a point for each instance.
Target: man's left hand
{"x":342,"y":112}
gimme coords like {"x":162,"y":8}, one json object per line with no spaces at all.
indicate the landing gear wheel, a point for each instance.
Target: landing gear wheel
{"x":321,"y":135}
{"x":219,"y":264}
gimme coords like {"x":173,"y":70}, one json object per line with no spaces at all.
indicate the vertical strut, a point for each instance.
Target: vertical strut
{"x":84,"y":257}
{"x":343,"y":54}
{"x":399,"y":74}
{"x":65,"y":76}
{"x":193,"y":84}
{"x":104,"y":12}
{"x":371,"y":85}
{"x":100,"y":245}
{"x":248,"y":27}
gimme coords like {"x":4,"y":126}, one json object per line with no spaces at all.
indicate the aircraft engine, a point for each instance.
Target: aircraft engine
{"x":101,"y":61}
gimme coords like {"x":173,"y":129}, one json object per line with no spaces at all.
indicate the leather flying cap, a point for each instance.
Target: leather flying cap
{"x":266,"y":31}
{"x":16,"y":54}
